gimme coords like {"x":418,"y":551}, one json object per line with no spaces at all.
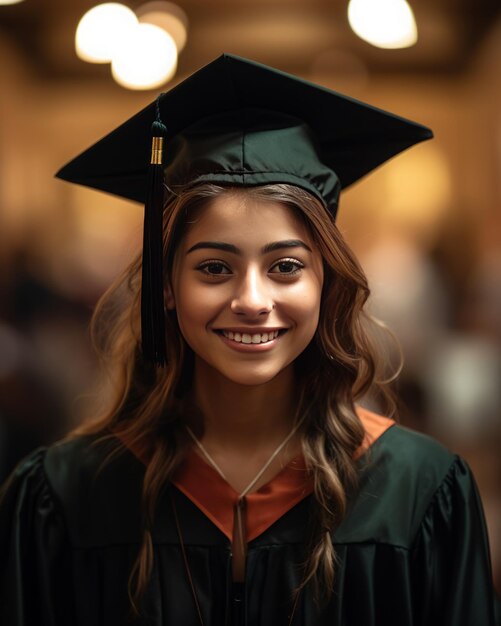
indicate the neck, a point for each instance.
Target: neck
{"x":240,"y":417}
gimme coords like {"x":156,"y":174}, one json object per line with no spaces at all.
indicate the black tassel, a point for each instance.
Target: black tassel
{"x":152,"y":286}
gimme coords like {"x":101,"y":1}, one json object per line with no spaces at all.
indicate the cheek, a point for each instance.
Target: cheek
{"x":196,"y":306}
{"x":187,"y":311}
{"x":306,"y":299}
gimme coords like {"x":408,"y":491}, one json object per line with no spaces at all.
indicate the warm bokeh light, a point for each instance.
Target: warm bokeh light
{"x":147,"y":60}
{"x":168,"y":16}
{"x":418,"y":188}
{"x":383,"y":23}
{"x":101,"y":30}
{"x":6,"y":2}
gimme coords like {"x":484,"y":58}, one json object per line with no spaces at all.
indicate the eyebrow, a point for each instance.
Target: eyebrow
{"x":269,"y":247}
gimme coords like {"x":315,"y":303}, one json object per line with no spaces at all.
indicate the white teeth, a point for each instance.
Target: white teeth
{"x":248,"y":338}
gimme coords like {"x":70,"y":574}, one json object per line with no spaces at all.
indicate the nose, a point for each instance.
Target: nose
{"x":252,"y":296}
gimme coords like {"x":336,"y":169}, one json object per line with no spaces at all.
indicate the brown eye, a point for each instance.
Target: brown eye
{"x":287,"y":267}
{"x":213,"y":268}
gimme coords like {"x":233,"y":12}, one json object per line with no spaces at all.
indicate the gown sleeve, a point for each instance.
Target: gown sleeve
{"x":35,"y":571}
{"x":451,"y":561}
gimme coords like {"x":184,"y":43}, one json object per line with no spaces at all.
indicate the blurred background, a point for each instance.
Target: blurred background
{"x":426,"y":226}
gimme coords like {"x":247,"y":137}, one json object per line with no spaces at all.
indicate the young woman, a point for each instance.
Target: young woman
{"x":241,"y":482}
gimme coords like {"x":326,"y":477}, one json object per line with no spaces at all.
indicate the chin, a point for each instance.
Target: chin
{"x":251,"y":379}
{"x":251,"y":375}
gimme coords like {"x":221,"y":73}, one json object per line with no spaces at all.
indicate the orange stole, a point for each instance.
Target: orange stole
{"x":216,"y":498}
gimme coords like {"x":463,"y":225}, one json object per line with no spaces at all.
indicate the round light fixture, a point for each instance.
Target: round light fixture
{"x":103,"y":29}
{"x":147,"y":60}
{"x":383,"y":23}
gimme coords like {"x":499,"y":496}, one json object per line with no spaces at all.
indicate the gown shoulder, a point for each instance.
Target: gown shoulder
{"x":87,"y":485}
{"x":98,"y":484}
{"x":398,"y":478}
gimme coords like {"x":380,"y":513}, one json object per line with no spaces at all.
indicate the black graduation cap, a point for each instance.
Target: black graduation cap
{"x":236,"y":122}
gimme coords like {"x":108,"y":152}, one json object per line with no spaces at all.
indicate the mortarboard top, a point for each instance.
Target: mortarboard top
{"x":238,"y":122}
{"x":235,"y":122}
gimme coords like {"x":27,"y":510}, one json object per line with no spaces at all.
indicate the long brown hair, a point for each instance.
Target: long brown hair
{"x":341,"y":365}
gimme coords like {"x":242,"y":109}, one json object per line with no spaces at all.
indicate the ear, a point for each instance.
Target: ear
{"x":170,"y":303}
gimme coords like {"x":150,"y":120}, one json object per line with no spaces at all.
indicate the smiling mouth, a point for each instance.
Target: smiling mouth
{"x":254,"y":338}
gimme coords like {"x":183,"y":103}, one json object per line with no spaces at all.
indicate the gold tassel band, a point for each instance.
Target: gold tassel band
{"x":157,"y":144}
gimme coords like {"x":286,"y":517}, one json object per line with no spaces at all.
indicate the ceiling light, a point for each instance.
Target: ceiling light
{"x":147,"y":60}
{"x":383,"y":23}
{"x":101,"y":30}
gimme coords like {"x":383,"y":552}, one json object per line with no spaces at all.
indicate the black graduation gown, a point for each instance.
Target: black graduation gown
{"x":413,"y":550}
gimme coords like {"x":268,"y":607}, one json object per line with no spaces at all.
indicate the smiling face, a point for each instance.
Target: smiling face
{"x":246,"y":285}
